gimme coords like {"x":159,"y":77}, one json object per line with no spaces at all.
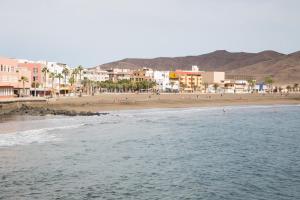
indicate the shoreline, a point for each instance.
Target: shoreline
{"x":104,"y":103}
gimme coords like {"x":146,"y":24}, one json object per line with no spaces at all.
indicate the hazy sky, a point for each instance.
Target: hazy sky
{"x":91,"y":32}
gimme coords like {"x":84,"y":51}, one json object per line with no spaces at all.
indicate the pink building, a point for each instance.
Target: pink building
{"x":35,"y":69}
{"x":10,"y":76}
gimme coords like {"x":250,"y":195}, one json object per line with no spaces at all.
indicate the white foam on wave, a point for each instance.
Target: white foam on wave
{"x":133,"y":114}
{"x":193,"y":109}
{"x":32,"y":136}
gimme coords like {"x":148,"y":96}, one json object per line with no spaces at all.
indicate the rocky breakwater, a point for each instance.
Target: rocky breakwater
{"x":24,"y":109}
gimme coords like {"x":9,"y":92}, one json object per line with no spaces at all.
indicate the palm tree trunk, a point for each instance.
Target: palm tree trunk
{"x":23,"y":87}
{"x":65,"y":84}
{"x":52,"y":87}
{"x":59,"y":87}
{"x":80,"y":80}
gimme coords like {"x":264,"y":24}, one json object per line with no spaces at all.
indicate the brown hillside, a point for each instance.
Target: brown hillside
{"x":284,"y":68}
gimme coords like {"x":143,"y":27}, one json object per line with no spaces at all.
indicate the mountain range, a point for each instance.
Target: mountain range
{"x":284,"y":68}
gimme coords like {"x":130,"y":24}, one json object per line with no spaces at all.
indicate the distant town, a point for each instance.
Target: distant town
{"x":26,"y":78}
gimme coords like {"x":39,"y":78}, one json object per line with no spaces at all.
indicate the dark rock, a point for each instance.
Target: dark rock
{"x":24,"y":109}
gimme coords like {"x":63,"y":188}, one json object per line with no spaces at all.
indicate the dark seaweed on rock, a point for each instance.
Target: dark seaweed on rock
{"x":41,"y":111}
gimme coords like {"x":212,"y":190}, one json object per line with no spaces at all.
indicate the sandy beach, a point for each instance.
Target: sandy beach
{"x":112,"y":102}
{"x":103,"y":103}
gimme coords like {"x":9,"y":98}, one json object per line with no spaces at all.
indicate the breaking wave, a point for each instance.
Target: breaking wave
{"x":33,"y":136}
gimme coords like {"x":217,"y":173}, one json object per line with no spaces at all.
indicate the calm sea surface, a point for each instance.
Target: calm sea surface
{"x":203,"y":153}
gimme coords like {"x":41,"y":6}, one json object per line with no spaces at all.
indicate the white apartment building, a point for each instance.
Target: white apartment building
{"x":162,"y":80}
{"x":241,"y":86}
{"x":96,"y":74}
{"x":149,"y":72}
{"x":57,"y":68}
{"x":195,"y":68}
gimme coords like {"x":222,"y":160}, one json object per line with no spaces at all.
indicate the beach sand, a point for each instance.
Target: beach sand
{"x":112,"y":102}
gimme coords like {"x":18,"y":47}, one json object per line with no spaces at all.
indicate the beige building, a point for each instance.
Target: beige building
{"x":189,"y":81}
{"x":119,"y":74}
{"x":213,"y":77}
{"x":235,"y":77}
{"x":140,"y":75}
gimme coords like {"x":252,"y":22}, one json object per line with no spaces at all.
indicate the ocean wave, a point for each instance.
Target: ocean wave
{"x":154,"y":111}
{"x":32,"y":136}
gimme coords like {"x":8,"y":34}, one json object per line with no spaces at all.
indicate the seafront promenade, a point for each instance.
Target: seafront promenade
{"x":23,"y":99}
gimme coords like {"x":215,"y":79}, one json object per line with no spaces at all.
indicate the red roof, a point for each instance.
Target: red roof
{"x":189,"y":72}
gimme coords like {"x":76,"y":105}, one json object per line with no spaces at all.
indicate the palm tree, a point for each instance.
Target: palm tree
{"x":251,"y":83}
{"x":45,"y":71}
{"x":125,"y":86}
{"x":269,"y":81}
{"x":94,"y":87}
{"x":288,"y":88}
{"x":72,"y":80}
{"x":65,"y":72}
{"x":205,"y":86}
{"x":74,"y":74}
{"x":172,"y":85}
{"x":85,"y":83}
{"x":216,"y":86}
{"x":79,"y":69}
{"x":52,"y":76}
{"x":23,"y":79}
{"x":98,"y":86}
{"x":59,"y":76}
{"x":296,"y":85}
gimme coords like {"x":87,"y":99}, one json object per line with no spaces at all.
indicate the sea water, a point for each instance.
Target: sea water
{"x":248,"y":152}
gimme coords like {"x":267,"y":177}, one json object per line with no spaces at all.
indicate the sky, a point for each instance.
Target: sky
{"x":93,"y":32}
